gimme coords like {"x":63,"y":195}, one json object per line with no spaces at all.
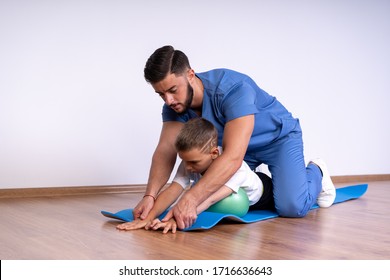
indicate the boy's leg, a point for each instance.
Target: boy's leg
{"x":296,"y":187}
{"x":266,"y":201}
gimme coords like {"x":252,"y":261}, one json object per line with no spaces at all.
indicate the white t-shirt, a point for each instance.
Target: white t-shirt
{"x":244,"y":178}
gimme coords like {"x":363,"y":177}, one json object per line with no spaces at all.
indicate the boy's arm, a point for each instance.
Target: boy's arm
{"x":171,"y":225}
{"x":220,"y":194}
{"x":165,"y":199}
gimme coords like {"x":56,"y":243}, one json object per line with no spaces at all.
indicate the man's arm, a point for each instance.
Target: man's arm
{"x":237,"y":134}
{"x":163,"y":161}
{"x":163,"y":201}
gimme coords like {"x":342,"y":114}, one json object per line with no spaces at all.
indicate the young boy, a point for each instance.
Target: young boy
{"x":197,"y":146}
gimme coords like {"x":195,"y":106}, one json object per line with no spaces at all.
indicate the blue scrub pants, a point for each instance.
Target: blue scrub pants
{"x":295,"y":186}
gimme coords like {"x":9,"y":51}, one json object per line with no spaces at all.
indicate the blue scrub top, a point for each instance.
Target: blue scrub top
{"x":229,"y":95}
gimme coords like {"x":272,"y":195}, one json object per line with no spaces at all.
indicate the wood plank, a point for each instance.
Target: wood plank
{"x":71,"y":227}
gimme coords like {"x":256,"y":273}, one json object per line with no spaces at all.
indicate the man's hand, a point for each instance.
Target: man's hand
{"x":143,"y":208}
{"x":184,"y":212}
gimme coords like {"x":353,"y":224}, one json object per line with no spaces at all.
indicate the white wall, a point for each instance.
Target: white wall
{"x":76,"y":111}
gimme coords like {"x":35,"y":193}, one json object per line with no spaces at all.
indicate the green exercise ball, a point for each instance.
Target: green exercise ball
{"x":236,"y":204}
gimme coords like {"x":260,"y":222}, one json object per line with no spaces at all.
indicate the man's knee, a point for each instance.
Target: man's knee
{"x":291,"y":210}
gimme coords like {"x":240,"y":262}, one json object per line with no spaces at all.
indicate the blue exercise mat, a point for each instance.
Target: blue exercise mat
{"x":207,"y":220}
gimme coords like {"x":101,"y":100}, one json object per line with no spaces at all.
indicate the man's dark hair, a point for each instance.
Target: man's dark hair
{"x":165,"y":60}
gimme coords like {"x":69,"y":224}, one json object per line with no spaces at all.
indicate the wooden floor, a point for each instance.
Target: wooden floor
{"x":71,"y":227}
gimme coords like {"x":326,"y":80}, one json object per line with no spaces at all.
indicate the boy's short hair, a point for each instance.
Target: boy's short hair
{"x":197,"y":133}
{"x":165,"y":60}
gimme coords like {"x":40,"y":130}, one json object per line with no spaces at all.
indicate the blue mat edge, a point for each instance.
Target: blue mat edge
{"x":342,"y":194}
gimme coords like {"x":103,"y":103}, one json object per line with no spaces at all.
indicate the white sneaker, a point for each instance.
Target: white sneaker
{"x":328,"y":192}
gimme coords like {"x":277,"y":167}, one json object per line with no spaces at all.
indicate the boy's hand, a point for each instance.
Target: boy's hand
{"x":136,"y":224}
{"x":169,"y":225}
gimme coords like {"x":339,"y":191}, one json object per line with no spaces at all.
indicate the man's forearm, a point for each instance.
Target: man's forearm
{"x":215,"y":177}
{"x":159,"y":173}
{"x":164,"y":158}
{"x":236,"y":137}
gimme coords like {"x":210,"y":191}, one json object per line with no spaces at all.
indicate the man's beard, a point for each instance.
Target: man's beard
{"x":190,"y":96}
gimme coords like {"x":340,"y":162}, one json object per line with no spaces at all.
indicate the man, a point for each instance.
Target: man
{"x":252,"y":126}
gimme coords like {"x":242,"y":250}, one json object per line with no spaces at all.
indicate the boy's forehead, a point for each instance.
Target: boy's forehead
{"x":191,"y":154}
